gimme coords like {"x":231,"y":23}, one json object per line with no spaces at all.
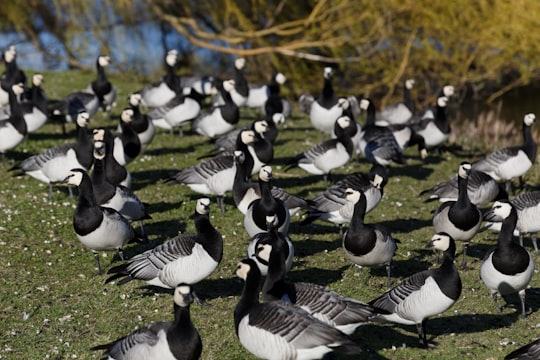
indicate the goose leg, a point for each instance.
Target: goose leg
{"x":464,"y":261}
{"x":96,"y":257}
{"x":522,"y":300}
{"x":508,"y":187}
{"x":494,"y":297}
{"x":388,"y":271}
{"x":143,"y":235}
{"x":421,"y":329}
{"x":121,"y":254}
{"x":535,"y":243}
{"x":361,"y":273}
{"x":521,"y":239}
{"x":198,"y":300}
{"x":221,"y":204}
{"x":50,"y":192}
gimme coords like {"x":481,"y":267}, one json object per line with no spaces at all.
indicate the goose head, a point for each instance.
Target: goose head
{"x":203,"y":206}
{"x":183,"y":296}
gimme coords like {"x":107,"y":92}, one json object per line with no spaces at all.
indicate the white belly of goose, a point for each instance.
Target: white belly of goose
{"x":110,"y":235}
{"x":257,"y":97}
{"x":323,"y":119}
{"x":157,"y":96}
{"x":447,"y":226}
{"x":35,"y":120}
{"x":213,"y":124}
{"x":514,"y":167}
{"x":218,"y":184}
{"x":57,"y":168}
{"x":183,"y":113}
{"x":160,"y":350}
{"x":9,"y":138}
{"x":381,"y":254}
{"x":433,"y":136}
{"x":528,"y":220}
{"x":130,"y":208}
{"x":505,"y":284}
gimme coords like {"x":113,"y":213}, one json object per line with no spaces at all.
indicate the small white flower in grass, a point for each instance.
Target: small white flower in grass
{"x":25,"y":316}
{"x":399,"y":204}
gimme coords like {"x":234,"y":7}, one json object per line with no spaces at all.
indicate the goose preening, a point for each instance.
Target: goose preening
{"x":98,"y":228}
{"x":514,"y":161}
{"x":328,"y":155}
{"x":160,"y":92}
{"x":460,"y":218}
{"x":424,"y":294}
{"x":367,"y":245}
{"x":13,"y":130}
{"x":481,"y":188}
{"x":178,"y":339}
{"x":530,"y":351}
{"x":401,"y":112}
{"x":345,"y":314}
{"x":331,"y":205}
{"x":507,"y":268}
{"x":101,"y":86}
{"x":279,"y":330}
{"x":187,"y":258}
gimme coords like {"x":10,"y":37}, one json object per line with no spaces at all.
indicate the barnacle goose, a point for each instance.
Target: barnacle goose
{"x":54,"y":164}
{"x":65,"y":110}
{"x":367,"y":245}
{"x":159,"y":93}
{"x":187,"y":258}
{"x":514,"y":161}
{"x":331,"y":205}
{"x":213,"y":176}
{"x":401,"y":112}
{"x":530,"y":351}
{"x":446,"y":91}
{"x":221,"y":118}
{"x":435,"y":126}
{"x":377,"y":143}
{"x":267,"y":204}
{"x":98,"y":228}
{"x":326,"y":108}
{"x":127,"y":145}
{"x":271,"y":237}
{"x":481,"y":188}
{"x":13,"y":129}
{"x":507,"y":268}
{"x":141,"y":123}
{"x":328,"y":155}
{"x":240,"y":91}
{"x":345,"y":314}
{"x":101,"y":86}
{"x":116,"y":174}
{"x":461,"y":219}
{"x":280,"y":330}
{"x":12,"y":75}
{"x":426,"y":293}
{"x":34,"y":105}
{"x":117,"y":197}
{"x":178,"y":339}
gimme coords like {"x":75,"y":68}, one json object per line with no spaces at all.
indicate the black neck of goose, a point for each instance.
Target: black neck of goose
{"x":249,"y":297}
{"x":182,"y":327}
{"x":209,"y":237}
{"x":240,"y":82}
{"x":463,"y":195}
{"x":102,"y":188}
{"x":359,"y":213}
{"x":263,"y":149}
{"x":529,"y":145}
{"x":370,"y":114}
{"x":344,"y":138}
{"x":38,"y":98}
{"x":274,"y":284}
{"x":101,"y":72}
{"x":407,"y":98}
{"x":241,"y":183}
{"x":328,"y":88}
{"x":171,"y":79}
{"x":507,"y":229}
{"x":82,"y":135}
{"x":16,"y":118}
{"x":86,"y":192}
{"x":441,"y":118}
{"x":267,"y":200}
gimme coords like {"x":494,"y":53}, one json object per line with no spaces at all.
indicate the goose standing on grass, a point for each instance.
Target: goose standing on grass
{"x":481,"y":188}
{"x":116,"y":174}
{"x":279,"y":330}
{"x":367,"y":245}
{"x":221,"y":118}
{"x":275,"y":102}
{"x":345,"y":314}
{"x":98,"y":228}
{"x":101,"y":86}
{"x":34,"y":105}
{"x":141,"y":123}
{"x":271,"y":237}
{"x":117,"y":197}
{"x":378,"y":143}
{"x":401,"y":112}
{"x":508,"y":268}
{"x":461,"y":219}
{"x":187,"y":258}
{"x":240,"y":91}
{"x":434,"y":128}
{"x":267,"y":204}
{"x":426,"y":293}
{"x":326,"y":108}
{"x":127,"y":145}
{"x":214,"y":176}
{"x":161,"y":340}
{"x":13,"y":130}
{"x":514,"y":161}
{"x":54,"y":164}
{"x":446,"y":91}
{"x":531,"y":351}
{"x":159,"y":93}
{"x":328,"y":155}
{"x":331,"y":205}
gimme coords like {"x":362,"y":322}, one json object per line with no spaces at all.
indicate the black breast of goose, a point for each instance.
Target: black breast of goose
{"x":187,"y":258}
{"x":160,"y":92}
{"x":116,"y":174}
{"x":328,"y":155}
{"x":259,"y":209}
{"x":401,"y":112}
{"x":101,"y":86}
{"x":13,"y":129}
{"x":142,"y":124}
{"x":274,"y":101}
{"x":508,"y":268}
{"x":98,"y":228}
{"x":178,"y":340}
{"x":435,"y":128}
{"x":461,"y":219}
{"x":530,"y":351}
{"x":338,"y":311}
{"x":507,"y":163}
{"x":481,"y":188}
{"x":426,"y":293}
{"x":279,"y":330}
{"x":367,"y":245}
{"x":127,"y":145}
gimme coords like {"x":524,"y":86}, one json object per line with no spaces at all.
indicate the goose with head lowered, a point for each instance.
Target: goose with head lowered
{"x":187,"y":258}
{"x":54,"y":164}
{"x":13,"y":130}
{"x":424,"y":294}
{"x":160,"y":92}
{"x":367,"y":245}
{"x":278,"y":330}
{"x":460,"y":218}
{"x":345,"y":314}
{"x":507,"y":268}
{"x":514,"y":161}
{"x":328,"y":155}
{"x":178,"y":340}
{"x":98,"y":228}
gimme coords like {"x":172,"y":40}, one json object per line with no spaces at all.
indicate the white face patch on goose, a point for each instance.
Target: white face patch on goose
{"x":127,"y":115}
{"x":182,"y":295}
{"x":37,"y":79}
{"x":278,"y":118}
{"x":328,"y":72}
{"x":529,"y":119}
{"x":352,"y":195}
{"x":344,"y":121}
{"x":409,"y":83}
{"x":280,"y":78}
{"x":171,"y":58}
{"x":377,"y":181}
{"x":448,"y":90}
{"x":343,"y":103}
{"x":134,"y":99}
{"x":364,"y":104}
{"x":239,"y":156}
{"x":240,"y":63}
{"x":82,"y":119}
{"x":104,"y":60}
{"x":261,"y":126}
{"x":440,"y":242}
{"x":74,"y":178}
{"x":263,"y":251}
{"x":18,"y":89}
{"x":464,"y":170}
{"x":203,"y":206}
{"x":501,"y":209}
{"x":271,"y":219}
{"x":442,"y":101}
{"x":99,"y":150}
{"x":9,"y":56}
{"x":228,"y":85}
{"x":265,"y":174}
{"x":242,"y":270}
{"x":99,"y":134}
{"x":247,"y":136}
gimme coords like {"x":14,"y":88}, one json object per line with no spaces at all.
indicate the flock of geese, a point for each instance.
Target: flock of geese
{"x":274,"y":318}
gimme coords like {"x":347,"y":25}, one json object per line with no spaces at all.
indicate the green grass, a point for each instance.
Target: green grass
{"x":55,"y":305}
